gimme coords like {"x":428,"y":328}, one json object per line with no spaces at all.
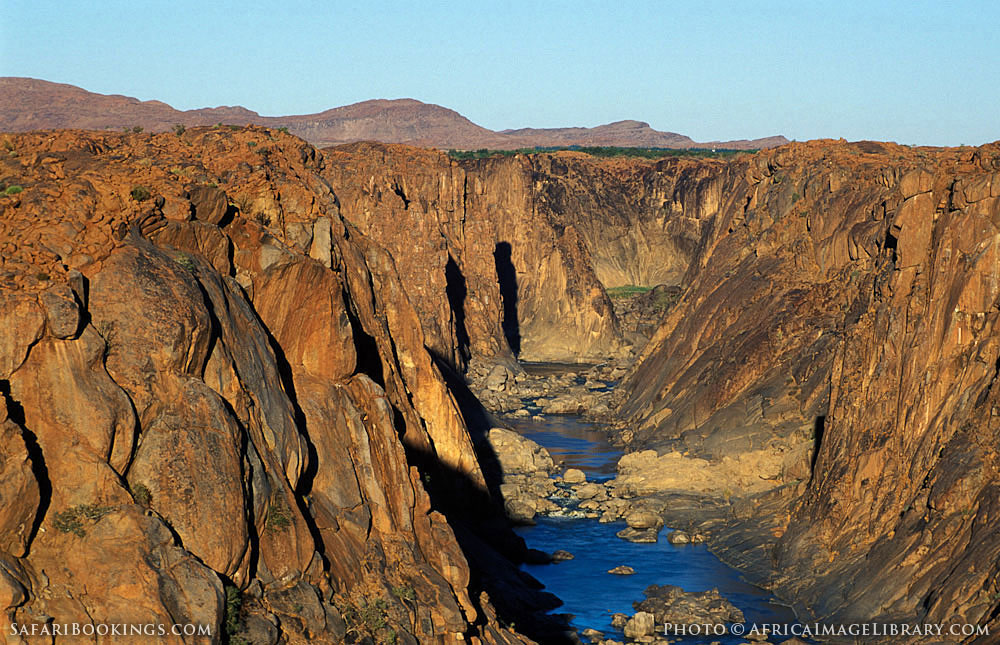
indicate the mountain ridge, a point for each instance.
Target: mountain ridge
{"x":35,"y":104}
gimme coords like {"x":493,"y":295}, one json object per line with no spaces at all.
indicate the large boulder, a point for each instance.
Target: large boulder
{"x":518,"y":454}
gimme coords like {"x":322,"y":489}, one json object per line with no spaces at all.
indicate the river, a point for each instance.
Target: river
{"x":590,"y":594}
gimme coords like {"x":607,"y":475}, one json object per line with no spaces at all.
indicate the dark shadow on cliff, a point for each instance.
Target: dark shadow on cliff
{"x":369,"y":360}
{"x":483,"y":532}
{"x":818,"y":427}
{"x":456,"y":292}
{"x":507,"y":279}
{"x":15,"y":414}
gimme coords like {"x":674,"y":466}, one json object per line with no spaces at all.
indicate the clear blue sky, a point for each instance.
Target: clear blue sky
{"x":913,"y":72}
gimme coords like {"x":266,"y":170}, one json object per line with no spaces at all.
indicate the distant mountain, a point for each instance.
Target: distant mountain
{"x":32,"y":104}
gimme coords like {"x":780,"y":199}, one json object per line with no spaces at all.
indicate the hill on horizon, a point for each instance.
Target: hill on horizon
{"x":34,"y":104}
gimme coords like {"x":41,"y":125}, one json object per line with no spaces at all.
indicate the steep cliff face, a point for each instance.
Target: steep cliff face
{"x":473,"y":235}
{"x":220,"y":386}
{"x":522,"y":246}
{"x":845,"y":297}
{"x":215,"y":399}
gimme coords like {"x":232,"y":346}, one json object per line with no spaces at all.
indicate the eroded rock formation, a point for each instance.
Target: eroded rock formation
{"x":524,"y":246}
{"x":845,"y":296}
{"x":217,"y":407}
{"x":231,"y":363}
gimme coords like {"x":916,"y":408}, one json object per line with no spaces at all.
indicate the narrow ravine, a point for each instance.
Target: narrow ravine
{"x":592,"y":595}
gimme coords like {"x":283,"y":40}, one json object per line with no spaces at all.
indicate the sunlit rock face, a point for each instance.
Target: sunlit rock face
{"x":215,"y":393}
{"x":223,"y":362}
{"x":843,"y":299}
{"x":523,"y":246}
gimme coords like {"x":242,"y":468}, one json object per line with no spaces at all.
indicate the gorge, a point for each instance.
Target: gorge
{"x":250,"y":384}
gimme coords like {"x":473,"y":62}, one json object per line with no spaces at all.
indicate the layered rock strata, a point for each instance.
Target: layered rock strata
{"x":841,"y":305}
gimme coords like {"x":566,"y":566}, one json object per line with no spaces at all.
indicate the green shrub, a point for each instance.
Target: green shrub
{"x":233,"y":617}
{"x":186,"y":261}
{"x":404,"y":593}
{"x":137,"y":129}
{"x":283,"y":129}
{"x":72,"y":519}
{"x":179,"y":129}
{"x":278,"y":517}
{"x":12,"y":190}
{"x":140,"y":193}
{"x":369,"y":616}
{"x":627,"y":291}
{"x":141,"y":494}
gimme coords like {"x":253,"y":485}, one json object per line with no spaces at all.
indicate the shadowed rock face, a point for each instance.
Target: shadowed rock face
{"x":533,"y":241}
{"x":845,"y":296}
{"x":187,"y":408}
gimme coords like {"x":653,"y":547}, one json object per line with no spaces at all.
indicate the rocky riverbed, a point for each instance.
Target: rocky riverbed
{"x":626,"y":575}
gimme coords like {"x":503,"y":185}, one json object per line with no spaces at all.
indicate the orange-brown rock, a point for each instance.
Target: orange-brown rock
{"x":215,"y":388}
{"x":521,"y":247}
{"x":254,"y":396}
{"x":844,"y":297}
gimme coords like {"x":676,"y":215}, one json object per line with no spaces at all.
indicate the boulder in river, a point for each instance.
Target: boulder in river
{"x":520,"y":511}
{"x":642,"y":624}
{"x":672,"y":605}
{"x":589,"y":491}
{"x":642,"y":536}
{"x":518,"y":454}
{"x":573,"y":476}
{"x":641,"y":519}
{"x":679,"y":537}
{"x":562,"y":555}
{"x":622,"y":570}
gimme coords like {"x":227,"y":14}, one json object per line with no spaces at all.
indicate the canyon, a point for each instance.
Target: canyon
{"x":242,"y":378}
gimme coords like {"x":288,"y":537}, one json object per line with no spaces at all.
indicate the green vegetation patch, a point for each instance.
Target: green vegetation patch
{"x":12,"y":190}
{"x":140,"y":193}
{"x":627,"y":291}
{"x":74,"y":519}
{"x":233,"y":619}
{"x":142,"y":495}
{"x":278,"y":516}
{"x":370,"y":617}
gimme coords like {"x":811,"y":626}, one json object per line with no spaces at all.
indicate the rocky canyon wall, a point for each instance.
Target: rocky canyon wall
{"x":523,"y":246}
{"x":844,"y":298}
{"x":221,"y":363}
{"x":217,"y":406}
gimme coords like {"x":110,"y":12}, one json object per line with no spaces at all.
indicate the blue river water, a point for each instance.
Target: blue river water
{"x":589,"y":593}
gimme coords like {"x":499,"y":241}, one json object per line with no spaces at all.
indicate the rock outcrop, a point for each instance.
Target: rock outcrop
{"x":841,"y":306}
{"x":524,"y":247}
{"x":230,"y":369}
{"x":217,"y":407}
